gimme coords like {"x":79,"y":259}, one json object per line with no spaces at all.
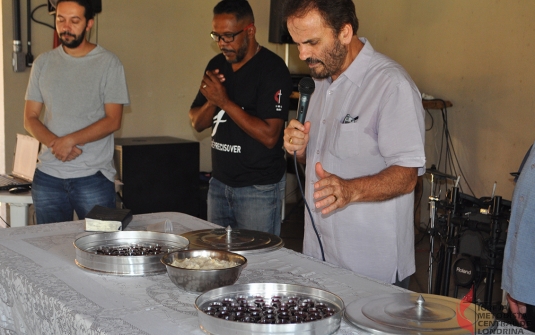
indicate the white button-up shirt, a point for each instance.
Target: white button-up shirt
{"x":386,"y":127}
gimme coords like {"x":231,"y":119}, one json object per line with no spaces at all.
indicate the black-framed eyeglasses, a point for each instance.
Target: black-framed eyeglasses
{"x":229,"y":37}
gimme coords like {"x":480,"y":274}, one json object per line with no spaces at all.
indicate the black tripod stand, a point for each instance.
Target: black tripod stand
{"x":447,"y":246}
{"x":495,"y":250}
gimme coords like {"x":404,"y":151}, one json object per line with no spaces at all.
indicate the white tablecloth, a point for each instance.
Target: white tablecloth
{"x":42,"y":291}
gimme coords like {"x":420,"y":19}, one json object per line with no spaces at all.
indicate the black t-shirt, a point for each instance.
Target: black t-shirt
{"x":262,"y":88}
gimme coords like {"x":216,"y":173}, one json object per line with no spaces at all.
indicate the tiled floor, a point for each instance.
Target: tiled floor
{"x":292,"y":234}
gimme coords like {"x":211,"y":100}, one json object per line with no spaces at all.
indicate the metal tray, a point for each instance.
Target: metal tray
{"x":140,"y":265}
{"x":240,"y":241}
{"x":213,"y":325}
{"x":418,"y":314}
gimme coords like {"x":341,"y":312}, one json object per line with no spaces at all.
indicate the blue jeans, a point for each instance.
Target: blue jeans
{"x":256,"y":207}
{"x":55,"y":199}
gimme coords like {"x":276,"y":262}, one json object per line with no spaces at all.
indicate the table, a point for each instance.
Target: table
{"x":18,"y":206}
{"x":19,"y":203}
{"x":42,"y":291}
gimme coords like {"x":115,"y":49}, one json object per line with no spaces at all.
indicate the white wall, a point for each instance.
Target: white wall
{"x":475,"y":53}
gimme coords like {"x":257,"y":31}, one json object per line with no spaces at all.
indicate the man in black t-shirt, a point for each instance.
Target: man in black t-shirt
{"x":244,"y":96}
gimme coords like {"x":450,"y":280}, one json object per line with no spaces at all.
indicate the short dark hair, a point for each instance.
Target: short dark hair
{"x":239,"y":8}
{"x":89,"y":11}
{"x":336,"y":13}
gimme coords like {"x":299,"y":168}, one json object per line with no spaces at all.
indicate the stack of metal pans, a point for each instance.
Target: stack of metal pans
{"x":240,"y":241}
{"x":269,"y":299}
{"x":126,"y":253}
{"x":415,"y":313}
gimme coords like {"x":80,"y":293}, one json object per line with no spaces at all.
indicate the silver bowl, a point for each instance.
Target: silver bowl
{"x":199,"y":281}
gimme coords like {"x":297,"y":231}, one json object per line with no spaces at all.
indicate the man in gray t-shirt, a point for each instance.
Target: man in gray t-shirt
{"x":82,"y":88}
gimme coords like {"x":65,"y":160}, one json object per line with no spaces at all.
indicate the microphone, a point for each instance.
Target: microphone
{"x":306,"y":88}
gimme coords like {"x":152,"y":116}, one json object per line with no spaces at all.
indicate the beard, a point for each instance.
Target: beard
{"x":333,"y":60}
{"x":75,"y":42}
{"x":240,"y":53}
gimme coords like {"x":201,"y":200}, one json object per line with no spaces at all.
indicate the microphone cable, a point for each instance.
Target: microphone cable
{"x":308,"y":208}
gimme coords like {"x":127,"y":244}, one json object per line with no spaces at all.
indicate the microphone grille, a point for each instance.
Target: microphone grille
{"x":306,"y":85}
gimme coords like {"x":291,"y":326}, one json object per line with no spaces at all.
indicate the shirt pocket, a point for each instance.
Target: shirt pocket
{"x":345,"y":142}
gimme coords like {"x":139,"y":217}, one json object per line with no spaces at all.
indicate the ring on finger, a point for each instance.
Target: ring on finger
{"x":290,"y":141}
{"x":204,"y":86}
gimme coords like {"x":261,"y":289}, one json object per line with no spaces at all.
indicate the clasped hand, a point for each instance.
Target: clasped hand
{"x":213,"y":89}
{"x":64,"y":149}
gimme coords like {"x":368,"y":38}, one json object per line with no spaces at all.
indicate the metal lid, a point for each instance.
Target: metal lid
{"x":414,"y":313}
{"x":241,"y":241}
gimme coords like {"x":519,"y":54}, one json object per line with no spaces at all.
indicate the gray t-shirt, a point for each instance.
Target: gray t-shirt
{"x":74,"y":91}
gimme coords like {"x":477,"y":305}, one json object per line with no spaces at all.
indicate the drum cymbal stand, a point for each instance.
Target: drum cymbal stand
{"x":450,"y":245}
{"x":434,"y":231}
{"x":494,"y":249}
{"x":432,"y":213}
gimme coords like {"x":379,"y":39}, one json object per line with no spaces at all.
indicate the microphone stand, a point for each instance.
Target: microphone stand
{"x":19,"y":61}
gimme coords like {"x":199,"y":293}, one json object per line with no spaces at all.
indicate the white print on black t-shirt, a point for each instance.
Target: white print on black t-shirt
{"x":217,"y":120}
{"x":278,"y":95}
{"x":236,"y":149}
{"x":220,"y":146}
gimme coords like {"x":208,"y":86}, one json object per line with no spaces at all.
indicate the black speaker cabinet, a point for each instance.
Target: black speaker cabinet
{"x":159,"y":174}
{"x":278,"y":33}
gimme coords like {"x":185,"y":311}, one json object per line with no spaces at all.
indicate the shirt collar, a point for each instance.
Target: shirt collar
{"x":358,"y":68}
